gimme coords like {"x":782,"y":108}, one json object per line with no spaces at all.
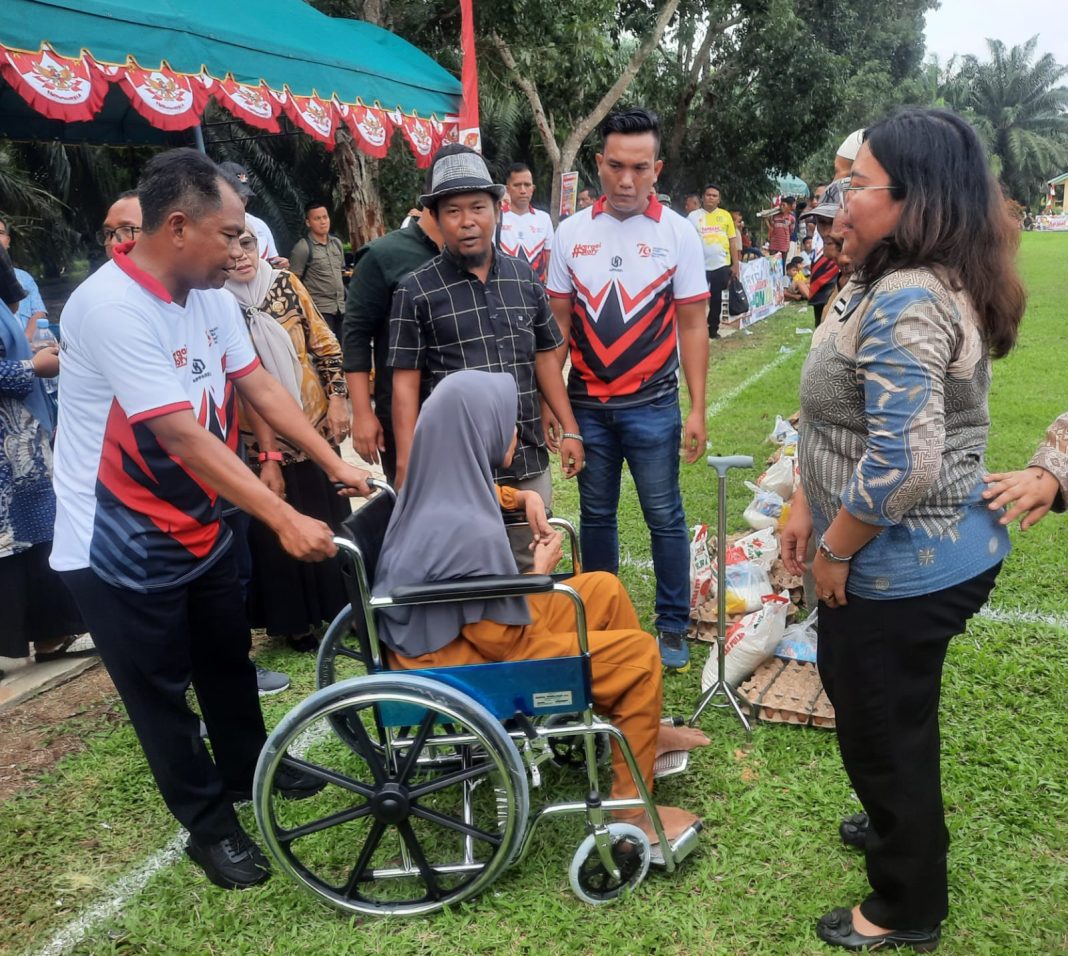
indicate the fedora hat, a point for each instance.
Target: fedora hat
{"x":460,"y":170}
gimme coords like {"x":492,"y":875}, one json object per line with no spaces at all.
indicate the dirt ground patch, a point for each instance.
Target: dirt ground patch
{"x":29,"y":743}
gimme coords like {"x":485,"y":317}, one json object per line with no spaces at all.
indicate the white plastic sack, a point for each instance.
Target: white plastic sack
{"x":783,"y":433}
{"x":760,"y":547}
{"x":747,"y":585}
{"x":764,"y":510}
{"x":780,"y":478}
{"x":700,"y":567}
{"x":750,"y":641}
{"x":799,"y":641}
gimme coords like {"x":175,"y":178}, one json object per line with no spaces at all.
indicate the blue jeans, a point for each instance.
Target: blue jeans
{"x":647,"y":438}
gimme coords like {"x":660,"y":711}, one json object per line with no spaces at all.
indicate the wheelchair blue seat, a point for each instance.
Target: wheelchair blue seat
{"x":533,"y":688}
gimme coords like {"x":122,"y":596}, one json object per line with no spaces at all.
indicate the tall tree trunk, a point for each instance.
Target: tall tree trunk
{"x":357,"y":175}
{"x":563,"y":157}
{"x":699,"y":75}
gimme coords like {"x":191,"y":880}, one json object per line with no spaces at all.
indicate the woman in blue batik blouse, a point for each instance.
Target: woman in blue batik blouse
{"x":35,"y":604}
{"x":894,"y":428}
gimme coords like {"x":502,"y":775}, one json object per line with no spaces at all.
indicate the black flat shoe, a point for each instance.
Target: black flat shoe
{"x":854,"y":830}
{"x":836,"y":928}
{"x":85,"y":648}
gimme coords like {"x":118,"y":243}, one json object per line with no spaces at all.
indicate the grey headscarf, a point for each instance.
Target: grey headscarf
{"x":447,"y":522}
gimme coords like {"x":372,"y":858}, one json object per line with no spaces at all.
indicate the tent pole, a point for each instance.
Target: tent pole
{"x":198,"y":136}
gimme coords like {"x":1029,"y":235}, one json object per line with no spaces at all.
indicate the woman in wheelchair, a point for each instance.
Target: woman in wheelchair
{"x":447,"y":524}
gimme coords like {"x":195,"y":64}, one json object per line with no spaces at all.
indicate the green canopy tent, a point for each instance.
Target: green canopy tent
{"x":134,"y":72}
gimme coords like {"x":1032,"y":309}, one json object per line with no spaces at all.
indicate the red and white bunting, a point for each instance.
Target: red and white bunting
{"x":73,"y":89}
{"x":253,"y":104}
{"x":450,"y":129}
{"x":168,"y":100}
{"x":420,"y":136}
{"x":61,"y":88}
{"x":370,"y":128}
{"x":311,"y":114}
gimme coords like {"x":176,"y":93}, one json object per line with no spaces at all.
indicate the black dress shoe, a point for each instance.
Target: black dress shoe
{"x":854,"y":830}
{"x":234,"y":863}
{"x":291,"y":784}
{"x":836,"y":928}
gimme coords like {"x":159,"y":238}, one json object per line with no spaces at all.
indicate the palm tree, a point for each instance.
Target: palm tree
{"x":1021,"y":113}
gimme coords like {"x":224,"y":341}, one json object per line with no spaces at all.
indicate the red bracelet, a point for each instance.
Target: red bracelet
{"x":270,"y":456}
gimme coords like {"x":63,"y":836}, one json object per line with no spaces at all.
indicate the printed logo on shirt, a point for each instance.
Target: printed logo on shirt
{"x":181,"y":356}
{"x":585,"y":249}
{"x":617,"y":262}
{"x":644,"y":250}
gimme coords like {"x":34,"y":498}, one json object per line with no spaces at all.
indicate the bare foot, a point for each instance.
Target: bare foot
{"x":866,"y":926}
{"x":679,"y":738}
{"x":674,"y":820}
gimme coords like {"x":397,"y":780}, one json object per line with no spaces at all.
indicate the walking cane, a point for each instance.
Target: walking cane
{"x":720,"y":686}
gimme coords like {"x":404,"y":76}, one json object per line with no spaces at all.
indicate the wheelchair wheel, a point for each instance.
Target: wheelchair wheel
{"x":340,"y":658}
{"x":571,"y":751}
{"x":395,"y":830}
{"x":631,"y":852}
{"x":340,"y":655}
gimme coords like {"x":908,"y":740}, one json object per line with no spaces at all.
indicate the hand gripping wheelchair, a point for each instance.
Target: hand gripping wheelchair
{"x":425,"y":797}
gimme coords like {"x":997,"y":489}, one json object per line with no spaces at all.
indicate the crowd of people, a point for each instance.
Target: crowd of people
{"x":207,"y":383}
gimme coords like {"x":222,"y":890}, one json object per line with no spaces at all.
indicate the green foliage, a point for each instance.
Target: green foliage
{"x":1021,"y":111}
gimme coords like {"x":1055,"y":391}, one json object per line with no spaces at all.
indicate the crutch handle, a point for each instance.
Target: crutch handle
{"x":723,"y":465}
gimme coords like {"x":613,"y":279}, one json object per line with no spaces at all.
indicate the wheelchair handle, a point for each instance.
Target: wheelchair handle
{"x":723,"y":465}
{"x":375,"y":484}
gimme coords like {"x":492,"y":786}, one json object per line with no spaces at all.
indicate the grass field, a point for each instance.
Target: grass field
{"x":770,"y":863}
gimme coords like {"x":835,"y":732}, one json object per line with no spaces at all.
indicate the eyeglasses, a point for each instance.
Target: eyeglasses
{"x":846,"y":190}
{"x":122,"y":234}
{"x":248,"y":243}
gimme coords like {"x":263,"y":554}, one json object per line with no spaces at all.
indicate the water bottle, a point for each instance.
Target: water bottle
{"x":42,"y":339}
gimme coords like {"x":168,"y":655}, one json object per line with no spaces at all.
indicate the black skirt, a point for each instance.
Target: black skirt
{"x":287,"y":596}
{"x":34,"y":601}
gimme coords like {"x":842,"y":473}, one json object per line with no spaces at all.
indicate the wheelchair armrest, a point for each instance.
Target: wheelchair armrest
{"x":520,"y":517}
{"x":470,"y":589}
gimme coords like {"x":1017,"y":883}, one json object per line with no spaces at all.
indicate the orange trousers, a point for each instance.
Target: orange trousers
{"x":625,"y":661}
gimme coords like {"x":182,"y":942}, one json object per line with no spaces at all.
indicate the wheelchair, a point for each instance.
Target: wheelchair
{"x":426,"y":775}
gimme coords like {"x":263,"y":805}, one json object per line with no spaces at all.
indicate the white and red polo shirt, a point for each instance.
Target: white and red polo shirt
{"x":126,"y":508}
{"x":528,"y":236}
{"x":623,"y":278}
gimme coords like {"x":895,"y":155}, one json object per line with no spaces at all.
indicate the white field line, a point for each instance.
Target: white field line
{"x":119,"y":894}
{"x":1010,"y":615}
{"x":721,"y":403}
{"x":126,"y":887}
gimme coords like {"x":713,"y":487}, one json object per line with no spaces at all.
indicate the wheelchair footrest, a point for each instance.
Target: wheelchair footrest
{"x":681,"y":848}
{"x":671,"y":763}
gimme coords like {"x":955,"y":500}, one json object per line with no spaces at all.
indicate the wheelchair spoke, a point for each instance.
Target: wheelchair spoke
{"x":330,"y":776}
{"x":367,"y":751}
{"x":324,"y":823}
{"x":453,"y":823}
{"x":449,"y":779}
{"x":356,"y":875}
{"x":416,"y":746}
{"x":416,"y":849}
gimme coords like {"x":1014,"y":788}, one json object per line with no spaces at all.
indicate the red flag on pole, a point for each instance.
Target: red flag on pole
{"x":470,"y":134}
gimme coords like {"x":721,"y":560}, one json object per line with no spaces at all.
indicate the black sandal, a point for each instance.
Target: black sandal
{"x":64,"y":651}
{"x":836,"y":928}
{"x":854,"y":830}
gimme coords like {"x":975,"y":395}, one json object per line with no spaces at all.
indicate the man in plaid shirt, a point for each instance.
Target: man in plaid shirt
{"x":474,"y":307}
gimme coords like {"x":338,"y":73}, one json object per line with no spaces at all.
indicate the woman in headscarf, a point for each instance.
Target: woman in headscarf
{"x":291,"y":598}
{"x":894,"y":425}
{"x":36,"y":605}
{"x":447,"y":524}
